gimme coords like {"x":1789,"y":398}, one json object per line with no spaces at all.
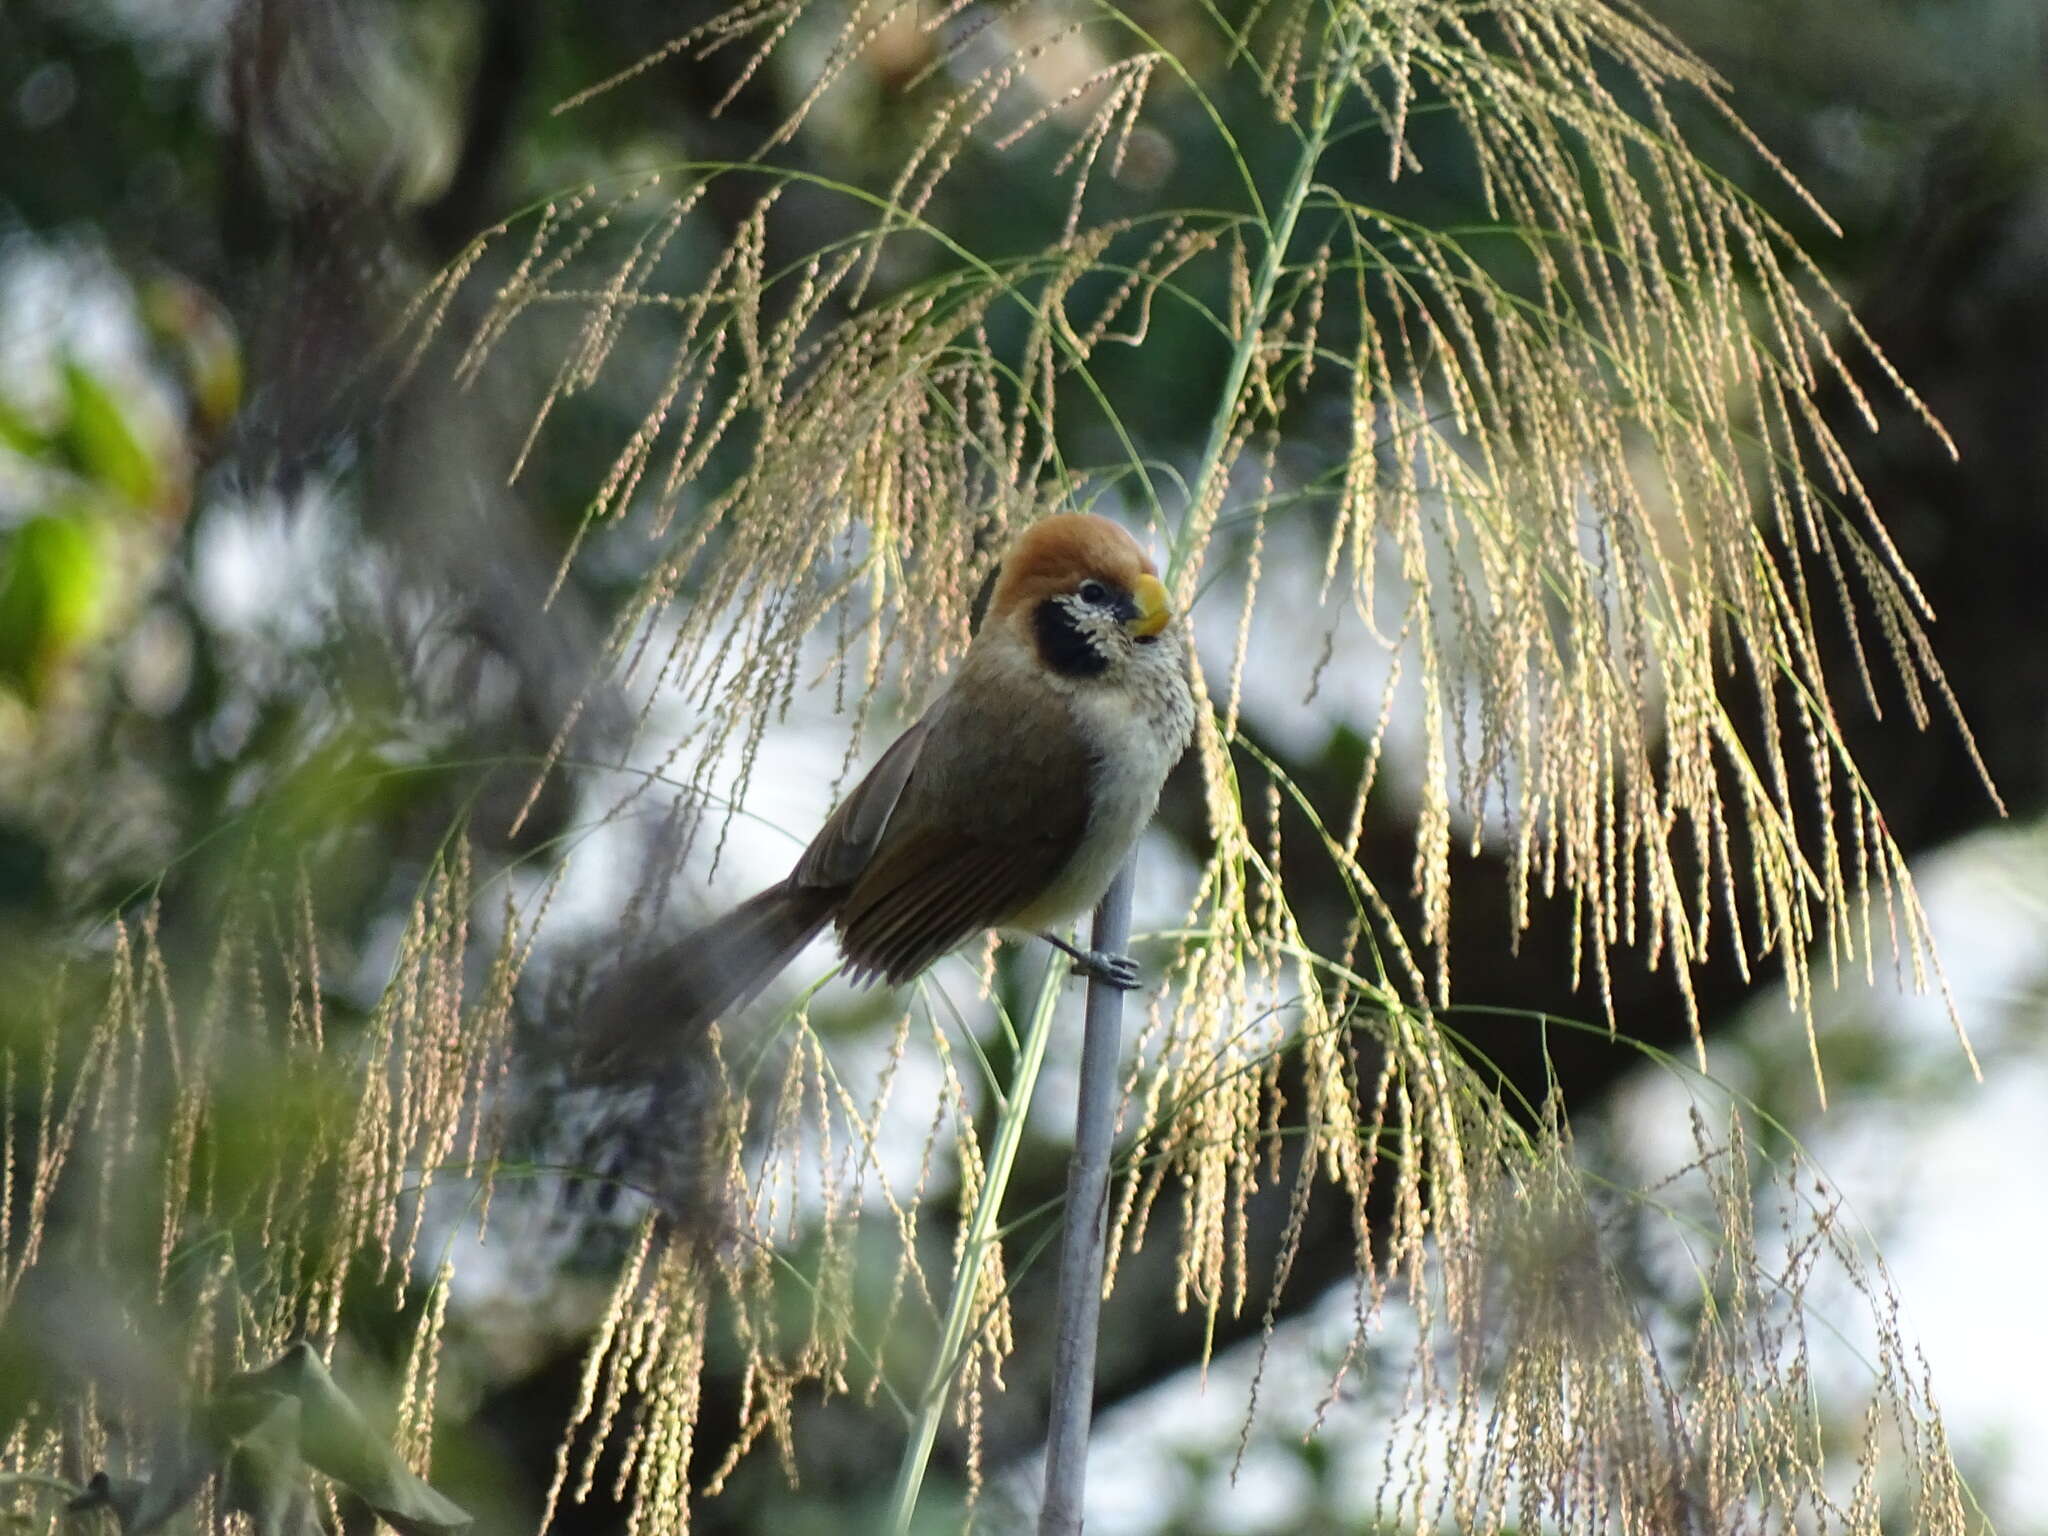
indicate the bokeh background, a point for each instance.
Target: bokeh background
{"x":241,"y":569}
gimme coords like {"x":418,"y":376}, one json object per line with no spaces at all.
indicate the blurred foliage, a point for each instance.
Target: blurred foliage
{"x":92,"y":473}
{"x":260,"y":1436}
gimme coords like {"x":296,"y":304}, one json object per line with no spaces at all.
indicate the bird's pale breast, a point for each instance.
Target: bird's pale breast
{"x":1135,"y":730}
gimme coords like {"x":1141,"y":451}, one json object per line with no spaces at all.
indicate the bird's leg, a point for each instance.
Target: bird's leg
{"x":1119,"y":971}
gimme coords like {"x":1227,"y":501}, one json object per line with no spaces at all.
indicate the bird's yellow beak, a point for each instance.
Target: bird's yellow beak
{"x":1154,"y":611}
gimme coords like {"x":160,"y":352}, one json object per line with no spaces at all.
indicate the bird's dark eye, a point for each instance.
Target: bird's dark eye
{"x":1094,"y":593}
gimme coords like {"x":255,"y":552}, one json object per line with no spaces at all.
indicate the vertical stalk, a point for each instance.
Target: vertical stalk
{"x":1081,"y":1253}
{"x":981,"y":1228}
{"x":1081,"y":1260}
{"x":1087,"y":1225}
{"x":1279,"y":235}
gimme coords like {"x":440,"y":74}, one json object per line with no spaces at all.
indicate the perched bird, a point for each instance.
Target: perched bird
{"x":1011,"y":804}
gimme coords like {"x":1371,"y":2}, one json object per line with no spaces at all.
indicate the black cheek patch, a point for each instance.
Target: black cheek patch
{"x":1062,"y":646}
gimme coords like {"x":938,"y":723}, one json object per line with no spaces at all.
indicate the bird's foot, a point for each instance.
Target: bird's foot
{"x":1119,"y":971}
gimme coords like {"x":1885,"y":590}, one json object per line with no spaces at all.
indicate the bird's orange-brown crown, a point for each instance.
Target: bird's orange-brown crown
{"x":1058,"y":553}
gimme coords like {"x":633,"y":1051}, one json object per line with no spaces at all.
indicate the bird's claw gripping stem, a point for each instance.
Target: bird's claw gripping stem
{"x":1119,"y":971}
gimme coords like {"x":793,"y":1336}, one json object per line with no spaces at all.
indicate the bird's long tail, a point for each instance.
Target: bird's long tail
{"x":663,"y":1001}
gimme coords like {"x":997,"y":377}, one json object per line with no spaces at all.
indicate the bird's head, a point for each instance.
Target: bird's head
{"x":1084,"y":590}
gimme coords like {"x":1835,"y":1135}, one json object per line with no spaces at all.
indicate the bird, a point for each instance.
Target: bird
{"x":1010,"y":804}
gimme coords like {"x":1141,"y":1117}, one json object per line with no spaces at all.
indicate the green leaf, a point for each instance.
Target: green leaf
{"x":102,"y":445}
{"x":49,"y":600}
{"x":260,"y":1433}
{"x":335,"y":1439}
{"x":264,"y":1478}
{"x":20,"y":434}
{"x":180,"y":1464}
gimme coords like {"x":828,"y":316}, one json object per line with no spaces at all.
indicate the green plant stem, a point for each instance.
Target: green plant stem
{"x":1280,"y":234}
{"x":981,"y":1232}
{"x":62,"y":1487}
{"x":1086,"y":1232}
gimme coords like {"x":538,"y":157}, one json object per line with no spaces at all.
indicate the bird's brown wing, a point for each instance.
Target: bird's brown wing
{"x":848,"y":840}
{"x":987,"y":822}
{"x":658,"y":1000}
